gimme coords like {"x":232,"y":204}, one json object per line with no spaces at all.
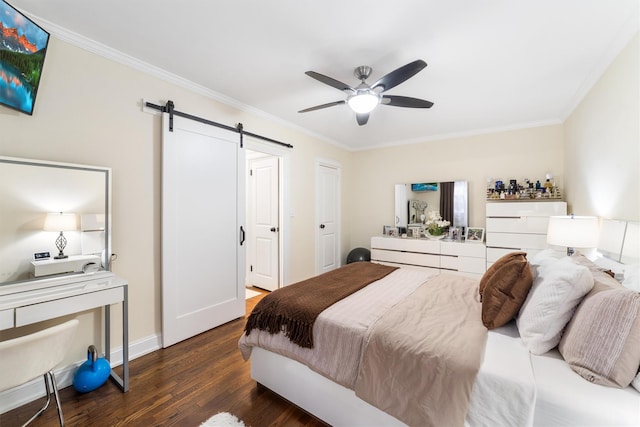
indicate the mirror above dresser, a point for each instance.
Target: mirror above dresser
{"x":54,"y":219}
{"x":449,"y":198}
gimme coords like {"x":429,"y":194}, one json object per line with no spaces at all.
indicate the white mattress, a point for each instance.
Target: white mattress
{"x":564,"y":398}
{"x":505,"y":390}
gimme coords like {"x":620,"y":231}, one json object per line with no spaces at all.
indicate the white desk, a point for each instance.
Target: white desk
{"x":35,"y":301}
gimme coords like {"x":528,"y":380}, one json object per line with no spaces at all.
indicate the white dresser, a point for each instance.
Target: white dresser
{"x":518,"y":226}
{"x":466,"y":258}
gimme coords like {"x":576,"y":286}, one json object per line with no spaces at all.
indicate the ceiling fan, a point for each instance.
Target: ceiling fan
{"x":364,"y":98}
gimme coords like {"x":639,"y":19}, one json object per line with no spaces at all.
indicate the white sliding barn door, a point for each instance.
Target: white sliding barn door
{"x":203,"y":261}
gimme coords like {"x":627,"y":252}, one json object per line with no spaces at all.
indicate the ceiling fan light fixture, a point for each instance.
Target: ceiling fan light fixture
{"x":363,"y":102}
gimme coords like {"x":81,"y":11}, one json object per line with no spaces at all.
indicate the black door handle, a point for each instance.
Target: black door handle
{"x":242,"y":235}
{"x":321,"y":225}
{"x":274,"y":229}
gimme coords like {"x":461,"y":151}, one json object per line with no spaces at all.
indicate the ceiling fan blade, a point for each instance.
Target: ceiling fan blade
{"x":330,"y":81}
{"x":398,"y":76}
{"x":319,"y":107}
{"x":405,"y":101}
{"x":362,"y":118}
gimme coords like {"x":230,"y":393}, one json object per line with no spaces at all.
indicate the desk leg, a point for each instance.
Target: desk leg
{"x":124,"y":381}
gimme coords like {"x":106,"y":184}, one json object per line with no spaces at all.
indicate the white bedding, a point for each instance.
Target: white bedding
{"x":505,"y":390}
{"x":513,"y":388}
{"x":339,"y":331}
{"x":505,"y":370}
{"x":567,"y":399}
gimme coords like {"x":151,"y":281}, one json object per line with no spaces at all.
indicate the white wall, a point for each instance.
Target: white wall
{"x":594,"y":157}
{"x":89,"y":111}
{"x":518,"y":154}
{"x":602,"y":138}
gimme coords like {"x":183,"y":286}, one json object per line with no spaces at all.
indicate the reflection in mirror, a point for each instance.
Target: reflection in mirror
{"x":31,"y":191}
{"x":414,"y":201}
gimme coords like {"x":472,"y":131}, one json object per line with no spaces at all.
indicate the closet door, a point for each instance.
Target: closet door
{"x":203,"y":260}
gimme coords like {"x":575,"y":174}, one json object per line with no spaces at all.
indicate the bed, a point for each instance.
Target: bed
{"x":513,"y":385}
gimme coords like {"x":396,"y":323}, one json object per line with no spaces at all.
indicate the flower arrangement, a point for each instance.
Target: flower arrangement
{"x":435,"y":225}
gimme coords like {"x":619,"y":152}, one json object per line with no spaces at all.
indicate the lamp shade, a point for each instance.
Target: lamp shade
{"x":573,"y":231}
{"x":60,"y":221}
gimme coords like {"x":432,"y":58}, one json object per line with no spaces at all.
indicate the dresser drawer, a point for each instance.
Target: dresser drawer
{"x":449,"y":262}
{"x":528,"y":224}
{"x":522,"y":209}
{"x":494,"y":254}
{"x":33,"y":313}
{"x":472,"y":265}
{"x":425,"y":260}
{"x":406,"y":245}
{"x":517,"y":240}
{"x":6,"y":319}
{"x":476,"y":250}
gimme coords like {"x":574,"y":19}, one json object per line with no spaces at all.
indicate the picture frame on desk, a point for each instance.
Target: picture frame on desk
{"x":455,"y":233}
{"x":414,"y":231}
{"x":390,"y":231}
{"x":474,"y":235}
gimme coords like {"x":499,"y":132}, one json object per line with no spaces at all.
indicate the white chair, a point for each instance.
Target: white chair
{"x":24,"y":358}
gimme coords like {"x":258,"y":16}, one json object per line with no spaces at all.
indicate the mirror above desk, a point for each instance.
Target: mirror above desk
{"x":54,"y":219}
{"x":413,"y":201}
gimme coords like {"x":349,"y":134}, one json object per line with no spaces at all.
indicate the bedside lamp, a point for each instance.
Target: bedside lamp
{"x":59,"y":221}
{"x":573,"y":232}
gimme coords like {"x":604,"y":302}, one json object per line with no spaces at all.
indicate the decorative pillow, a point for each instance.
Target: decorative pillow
{"x":555,"y":293}
{"x":602,"y":341}
{"x":547,"y":256}
{"x":600,"y":275}
{"x":496,"y":266}
{"x":505,"y":291}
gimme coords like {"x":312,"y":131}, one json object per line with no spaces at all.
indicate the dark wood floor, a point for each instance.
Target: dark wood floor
{"x":182,"y":385}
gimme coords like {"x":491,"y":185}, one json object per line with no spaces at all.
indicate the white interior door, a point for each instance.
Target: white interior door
{"x":328,"y":214}
{"x":264,"y":219}
{"x":203,"y":262}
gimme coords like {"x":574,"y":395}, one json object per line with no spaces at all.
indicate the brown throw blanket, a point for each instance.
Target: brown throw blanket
{"x":294,"y":308}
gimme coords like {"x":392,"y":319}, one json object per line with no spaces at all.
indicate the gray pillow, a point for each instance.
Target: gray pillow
{"x":602,"y":341}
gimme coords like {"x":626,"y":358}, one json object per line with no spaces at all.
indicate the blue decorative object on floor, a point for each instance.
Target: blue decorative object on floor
{"x":92,"y":373}
{"x":359,"y":255}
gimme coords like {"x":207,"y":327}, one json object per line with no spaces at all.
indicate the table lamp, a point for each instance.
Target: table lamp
{"x":59,"y":221}
{"x":573,"y":232}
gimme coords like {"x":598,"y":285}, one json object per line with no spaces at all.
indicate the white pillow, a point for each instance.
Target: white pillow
{"x":636,"y":382}
{"x":546,"y":256}
{"x":555,"y":293}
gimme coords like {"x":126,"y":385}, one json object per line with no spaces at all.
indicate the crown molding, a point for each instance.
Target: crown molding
{"x":107,"y":52}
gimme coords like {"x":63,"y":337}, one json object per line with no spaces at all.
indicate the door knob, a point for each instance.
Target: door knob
{"x":274,"y":229}
{"x":321,"y":225}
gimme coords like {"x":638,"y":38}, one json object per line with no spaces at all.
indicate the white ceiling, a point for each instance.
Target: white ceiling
{"x":492,"y":64}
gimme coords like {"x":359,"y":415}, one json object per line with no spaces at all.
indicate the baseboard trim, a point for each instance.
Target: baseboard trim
{"x":25,"y":393}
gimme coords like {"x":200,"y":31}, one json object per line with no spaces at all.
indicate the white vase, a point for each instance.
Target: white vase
{"x":433,"y":237}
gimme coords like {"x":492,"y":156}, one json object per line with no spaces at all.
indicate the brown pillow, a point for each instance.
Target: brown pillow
{"x":602,"y":340}
{"x":496,"y":266}
{"x":505,"y":292}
